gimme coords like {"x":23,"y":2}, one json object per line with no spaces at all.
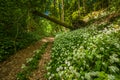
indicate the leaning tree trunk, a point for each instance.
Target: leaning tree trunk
{"x":53,"y":20}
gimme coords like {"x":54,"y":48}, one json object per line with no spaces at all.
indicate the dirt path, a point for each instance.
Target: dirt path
{"x":39,"y":73}
{"x":10,"y":67}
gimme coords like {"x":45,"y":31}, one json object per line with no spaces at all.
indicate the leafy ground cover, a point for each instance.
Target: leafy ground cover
{"x":31,"y":63}
{"x":91,"y":53}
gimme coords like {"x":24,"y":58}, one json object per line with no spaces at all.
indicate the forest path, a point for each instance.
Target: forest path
{"x":10,"y":67}
{"x":39,"y":74}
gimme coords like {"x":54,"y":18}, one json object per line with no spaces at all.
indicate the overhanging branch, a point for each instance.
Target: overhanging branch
{"x":52,"y":19}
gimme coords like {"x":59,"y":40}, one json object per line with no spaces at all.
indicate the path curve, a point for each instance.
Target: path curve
{"x":10,"y":67}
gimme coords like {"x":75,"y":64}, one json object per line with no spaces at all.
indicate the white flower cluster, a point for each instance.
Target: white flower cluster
{"x":86,"y":54}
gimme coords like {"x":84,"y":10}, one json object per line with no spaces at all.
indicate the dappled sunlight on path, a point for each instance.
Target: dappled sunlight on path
{"x":46,"y":39}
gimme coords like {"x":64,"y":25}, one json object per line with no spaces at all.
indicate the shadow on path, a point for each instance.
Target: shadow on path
{"x":10,"y":67}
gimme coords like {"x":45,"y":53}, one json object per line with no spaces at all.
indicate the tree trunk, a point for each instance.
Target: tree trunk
{"x":59,"y":6}
{"x":84,"y":6}
{"x":54,"y":6}
{"x":53,"y":19}
{"x":62,"y":15}
{"x":79,"y":8}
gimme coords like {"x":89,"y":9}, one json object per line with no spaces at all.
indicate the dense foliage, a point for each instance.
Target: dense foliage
{"x":18,"y":29}
{"x":91,"y":53}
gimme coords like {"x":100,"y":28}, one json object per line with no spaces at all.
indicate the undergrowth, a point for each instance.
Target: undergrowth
{"x":31,"y":63}
{"x":9,"y":45}
{"x":91,"y":53}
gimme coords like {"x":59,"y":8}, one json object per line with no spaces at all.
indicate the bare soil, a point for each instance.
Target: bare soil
{"x":39,"y":74}
{"x":10,"y":67}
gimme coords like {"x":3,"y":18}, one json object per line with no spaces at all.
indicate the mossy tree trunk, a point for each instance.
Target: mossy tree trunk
{"x":53,"y":20}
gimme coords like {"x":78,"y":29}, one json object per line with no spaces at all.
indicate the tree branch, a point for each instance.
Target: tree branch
{"x":53,"y":20}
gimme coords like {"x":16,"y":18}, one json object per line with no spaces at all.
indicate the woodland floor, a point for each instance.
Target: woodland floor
{"x":10,"y":67}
